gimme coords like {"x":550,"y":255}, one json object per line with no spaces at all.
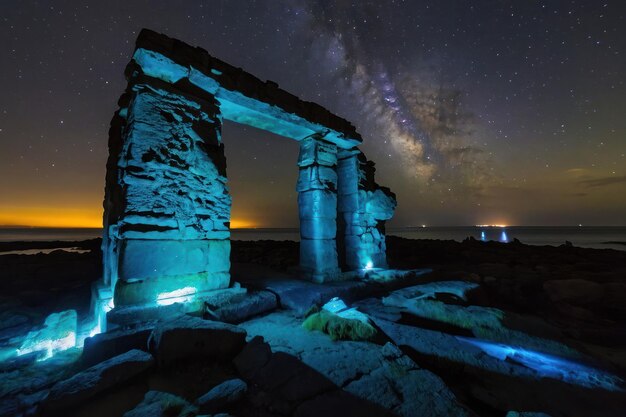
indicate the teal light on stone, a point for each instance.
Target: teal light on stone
{"x":58,"y":333}
{"x":182,"y":295}
{"x":550,"y":366}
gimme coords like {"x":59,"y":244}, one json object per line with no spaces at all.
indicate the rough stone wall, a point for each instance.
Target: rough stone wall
{"x":317,"y":204}
{"x":363,"y":208}
{"x":167,"y":207}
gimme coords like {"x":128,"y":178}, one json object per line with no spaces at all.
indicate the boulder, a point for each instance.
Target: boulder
{"x":253,"y":357}
{"x":221,"y":396}
{"x":162,"y":404}
{"x":188,"y":336}
{"x":86,"y":384}
{"x":106,"y":345}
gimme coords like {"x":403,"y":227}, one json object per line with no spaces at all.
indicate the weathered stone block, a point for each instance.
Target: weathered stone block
{"x":319,"y":228}
{"x":317,"y":203}
{"x":348,"y":202}
{"x":140,"y":259}
{"x":187,"y":337}
{"x":319,"y":255}
{"x":362,"y":252}
{"x":348,"y":176}
{"x":378,"y":204}
{"x":315,"y":151}
{"x":316,"y":177}
{"x":169,"y":289}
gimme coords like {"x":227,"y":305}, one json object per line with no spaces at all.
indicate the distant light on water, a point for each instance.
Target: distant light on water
{"x":490,"y":225}
{"x":504,"y":237}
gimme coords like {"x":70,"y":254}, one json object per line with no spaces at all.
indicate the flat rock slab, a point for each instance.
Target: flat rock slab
{"x":449,"y":347}
{"x":299,"y":295}
{"x":244,"y":307}
{"x":460,"y":289}
{"x":136,"y":315}
{"x":84,"y":385}
{"x":188,"y":336}
{"x":509,"y":381}
{"x":281,"y":383}
{"x":109,"y":344}
{"x":483,"y":322}
{"x":381,"y":376}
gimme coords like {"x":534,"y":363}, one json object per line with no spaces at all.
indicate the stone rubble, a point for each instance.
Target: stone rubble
{"x":88,"y":383}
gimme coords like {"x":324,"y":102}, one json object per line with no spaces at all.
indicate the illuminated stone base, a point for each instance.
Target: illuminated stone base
{"x":167,"y":271}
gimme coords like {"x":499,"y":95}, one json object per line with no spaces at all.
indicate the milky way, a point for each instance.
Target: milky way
{"x":474,"y":111}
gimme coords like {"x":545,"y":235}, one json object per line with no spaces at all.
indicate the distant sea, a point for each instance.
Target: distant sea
{"x":598,"y":237}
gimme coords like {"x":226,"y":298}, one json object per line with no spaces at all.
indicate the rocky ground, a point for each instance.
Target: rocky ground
{"x":477,"y":328}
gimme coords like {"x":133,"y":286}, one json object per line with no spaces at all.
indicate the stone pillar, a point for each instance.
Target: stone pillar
{"x":317,"y":202}
{"x":349,"y":222}
{"x":364,"y":207}
{"x":167,"y":207}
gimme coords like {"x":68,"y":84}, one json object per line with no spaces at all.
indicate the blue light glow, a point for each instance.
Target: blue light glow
{"x":58,"y":333}
{"x":482,"y":235}
{"x":549,"y":366}
{"x":369,"y":265}
{"x":182,"y":295}
{"x":503,"y":236}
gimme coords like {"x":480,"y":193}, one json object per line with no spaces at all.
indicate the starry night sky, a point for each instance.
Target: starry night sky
{"x":485,"y":112}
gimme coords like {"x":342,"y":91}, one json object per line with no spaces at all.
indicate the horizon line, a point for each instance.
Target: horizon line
{"x":297,"y":227}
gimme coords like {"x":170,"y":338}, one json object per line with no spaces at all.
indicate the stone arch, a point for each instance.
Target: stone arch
{"x":167,"y":206}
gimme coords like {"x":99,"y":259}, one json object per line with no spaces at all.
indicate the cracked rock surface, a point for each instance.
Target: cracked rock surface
{"x":382,"y":375}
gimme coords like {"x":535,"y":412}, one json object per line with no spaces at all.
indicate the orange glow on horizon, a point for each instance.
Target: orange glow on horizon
{"x":71,"y":218}
{"x":50,"y":217}
{"x":242,"y":224}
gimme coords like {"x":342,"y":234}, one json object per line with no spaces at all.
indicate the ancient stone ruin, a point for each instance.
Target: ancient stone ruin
{"x":167,"y":205}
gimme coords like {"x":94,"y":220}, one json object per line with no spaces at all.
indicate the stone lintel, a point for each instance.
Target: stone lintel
{"x":243,"y":97}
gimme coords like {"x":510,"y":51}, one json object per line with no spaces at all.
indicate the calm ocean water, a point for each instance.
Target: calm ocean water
{"x":588,"y":236}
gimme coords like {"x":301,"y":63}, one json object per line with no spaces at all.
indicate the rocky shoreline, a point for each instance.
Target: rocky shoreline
{"x":480,"y":328}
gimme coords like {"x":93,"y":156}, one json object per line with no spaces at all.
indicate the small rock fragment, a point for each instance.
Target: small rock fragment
{"x":221,"y":396}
